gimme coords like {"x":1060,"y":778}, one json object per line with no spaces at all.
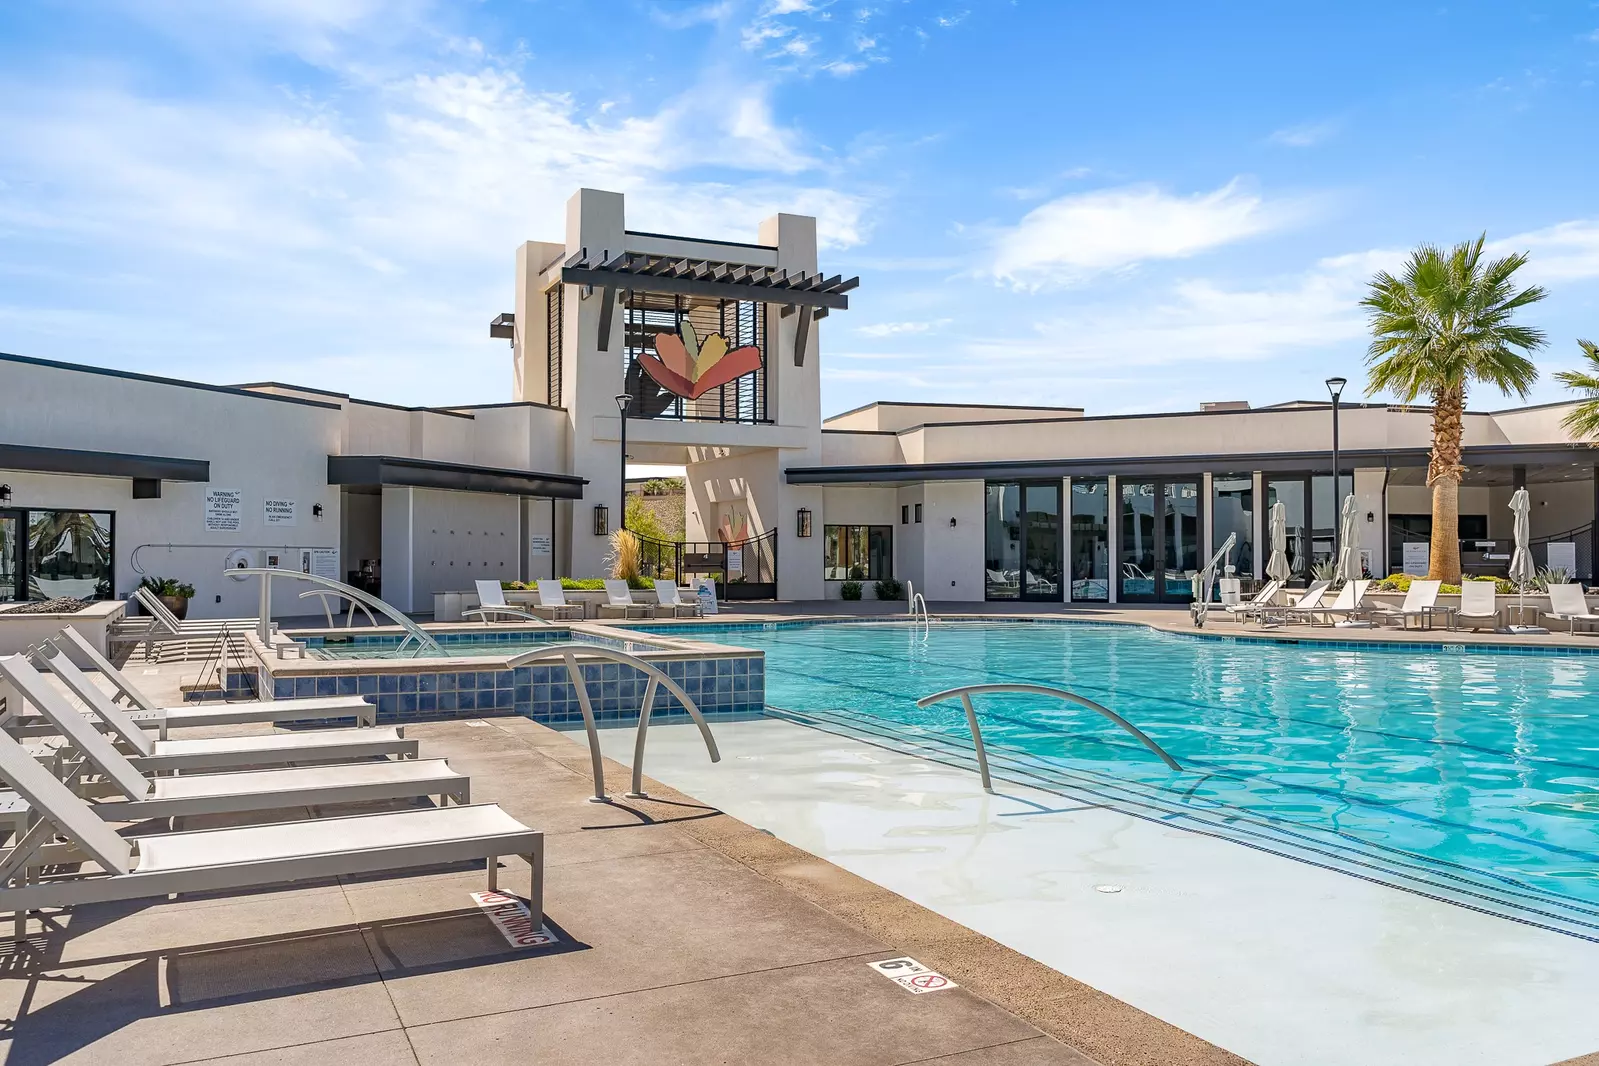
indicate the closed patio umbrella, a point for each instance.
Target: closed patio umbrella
{"x":1277,"y":565}
{"x":1349,"y":568}
{"x":1522,"y":571}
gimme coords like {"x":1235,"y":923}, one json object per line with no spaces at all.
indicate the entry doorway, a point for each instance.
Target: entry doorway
{"x":1159,"y":524}
{"x":1023,"y":554}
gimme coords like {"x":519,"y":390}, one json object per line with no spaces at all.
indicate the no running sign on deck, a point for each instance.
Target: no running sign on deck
{"x":912,"y":975}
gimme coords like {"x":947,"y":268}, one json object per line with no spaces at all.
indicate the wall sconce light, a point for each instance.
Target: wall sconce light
{"x":952,"y":522}
{"x":1371,"y":516}
{"x":804,"y":521}
{"x":316,"y":511}
{"x":602,"y":519}
{"x":5,"y":493}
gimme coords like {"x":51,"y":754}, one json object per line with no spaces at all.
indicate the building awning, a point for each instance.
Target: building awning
{"x":377,"y":470}
{"x":102,"y":464}
{"x":1176,"y":465}
{"x":708,"y":277}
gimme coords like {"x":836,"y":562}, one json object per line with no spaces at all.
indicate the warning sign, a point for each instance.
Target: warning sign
{"x":912,"y":975}
{"x":513,"y":919}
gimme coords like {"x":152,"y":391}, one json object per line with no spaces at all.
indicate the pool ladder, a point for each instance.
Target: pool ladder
{"x":917,"y":607}
{"x":966,"y":692}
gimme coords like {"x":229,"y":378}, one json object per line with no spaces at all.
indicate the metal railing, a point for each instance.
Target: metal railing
{"x":225,"y":647}
{"x":264,"y":622}
{"x":966,"y":692}
{"x":916,"y":606}
{"x":323,"y":595}
{"x":568,"y":654}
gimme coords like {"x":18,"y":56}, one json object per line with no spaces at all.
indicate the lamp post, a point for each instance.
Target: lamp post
{"x":1335,"y":387}
{"x":622,"y":402}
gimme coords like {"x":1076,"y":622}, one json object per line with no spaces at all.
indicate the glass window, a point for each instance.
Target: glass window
{"x":905,"y":514}
{"x":918,"y":512}
{"x":10,"y":539}
{"x":69,"y":554}
{"x":1090,"y":548}
{"x":1002,"y":555}
{"x":1137,"y":553}
{"x":857,"y":553}
{"x":1290,"y":492}
{"x":1180,"y":540}
{"x":1233,"y":512}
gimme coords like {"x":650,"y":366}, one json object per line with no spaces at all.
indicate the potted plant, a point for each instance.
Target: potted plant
{"x":172,"y":592}
{"x":850,"y":590}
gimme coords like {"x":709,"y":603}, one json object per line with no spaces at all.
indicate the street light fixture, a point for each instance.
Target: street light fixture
{"x":623,"y":400}
{"x":1335,"y":388}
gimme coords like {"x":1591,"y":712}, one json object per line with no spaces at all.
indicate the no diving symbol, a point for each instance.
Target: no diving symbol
{"x":912,"y":975}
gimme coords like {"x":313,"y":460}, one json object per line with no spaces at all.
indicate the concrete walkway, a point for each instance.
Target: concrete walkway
{"x":685,"y":937}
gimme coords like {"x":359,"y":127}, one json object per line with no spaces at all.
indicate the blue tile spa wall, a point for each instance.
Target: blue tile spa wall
{"x":544,"y":693}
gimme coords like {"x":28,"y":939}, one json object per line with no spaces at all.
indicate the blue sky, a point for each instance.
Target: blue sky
{"x":1123,"y":207}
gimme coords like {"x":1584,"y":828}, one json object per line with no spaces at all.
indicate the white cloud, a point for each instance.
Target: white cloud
{"x":1076,"y":236}
{"x":1568,"y":251}
{"x":1305,"y":135}
{"x":892,"y":329}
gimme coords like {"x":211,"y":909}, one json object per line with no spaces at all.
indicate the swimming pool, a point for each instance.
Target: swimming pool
{"x":484,"y":642}
{"x":1463,"y":774}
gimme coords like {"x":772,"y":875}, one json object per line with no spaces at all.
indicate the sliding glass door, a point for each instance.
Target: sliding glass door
{"x":1159,"y":524}
{"x":1023,"y":558}
{"x":10,"y":555}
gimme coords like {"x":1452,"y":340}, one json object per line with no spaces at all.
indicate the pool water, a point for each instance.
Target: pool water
{"x":1470,"y":773}
{"x":488,"y":642}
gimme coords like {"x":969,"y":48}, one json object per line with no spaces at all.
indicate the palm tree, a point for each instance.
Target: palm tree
{"x":1440,"y":327}
{"x":1583,"y":421}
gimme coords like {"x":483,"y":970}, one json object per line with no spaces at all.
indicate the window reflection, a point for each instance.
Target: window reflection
{"x":69,"y":554}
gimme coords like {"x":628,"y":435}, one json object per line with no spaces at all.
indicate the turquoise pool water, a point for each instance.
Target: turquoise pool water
{"x":1470,"y":774}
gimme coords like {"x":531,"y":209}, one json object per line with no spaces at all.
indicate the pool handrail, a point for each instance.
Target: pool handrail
{"x":264,"y":623}
{"x":569,"y":653}
{"x":349,"y":618}
{"x":966,"y":692}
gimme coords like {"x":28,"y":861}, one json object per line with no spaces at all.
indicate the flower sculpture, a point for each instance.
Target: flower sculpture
{"x":688,"y":367}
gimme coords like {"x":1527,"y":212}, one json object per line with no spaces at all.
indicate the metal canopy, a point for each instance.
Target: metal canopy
{"x":102,"y":464}
{"x":462,"y":477}
{"x":707,"y":277}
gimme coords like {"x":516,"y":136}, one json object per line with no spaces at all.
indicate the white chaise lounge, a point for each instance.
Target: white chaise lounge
{"x":1567,"y":603}
{"x":620,"y":598}
{"x":217,"y":753}
{"x":255,"y":790}
{"x":162,"y":719}
{"x":144,"y":867}
{"x":671,"y":599}
{"x":1262,"y":599}
{"x":492,"y":605}
{"x":1479,"y":605}
{"x":552,"y":598}
{"x":1419,"y":602}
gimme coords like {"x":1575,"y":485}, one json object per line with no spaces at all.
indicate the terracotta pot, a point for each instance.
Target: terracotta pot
{"x":178,"y":605}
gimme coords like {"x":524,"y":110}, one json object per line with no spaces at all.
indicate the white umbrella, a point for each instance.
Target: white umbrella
{"x":1349,"y":567}
{"x":1522,"y":571}
{"x":1277,"y":565}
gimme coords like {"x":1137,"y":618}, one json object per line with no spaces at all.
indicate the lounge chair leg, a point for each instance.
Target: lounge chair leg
{"x":535,"y":889}
{"x":494,"y":873}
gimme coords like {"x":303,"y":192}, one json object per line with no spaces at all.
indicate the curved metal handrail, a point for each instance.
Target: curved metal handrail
{"x":349,"y":619}
{"x":569,"y":653}
{"x":267,"y":573}
{"x":966,"y":692}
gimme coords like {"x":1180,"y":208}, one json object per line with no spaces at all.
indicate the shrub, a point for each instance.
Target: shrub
{"x":597,"y":584}
{"x":889,"y":589}
{"x":168,"y":586}
{"x":850,"y":590}
{"x":1395,"y":583}
{"x":624,"y":556}
{"x":1551,"y":575}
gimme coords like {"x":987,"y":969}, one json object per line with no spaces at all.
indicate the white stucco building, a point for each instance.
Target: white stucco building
{"x":107,"y":476}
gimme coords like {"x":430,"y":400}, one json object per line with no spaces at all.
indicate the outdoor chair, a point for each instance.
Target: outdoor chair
{"x":1478,"y":605}
{"x":671,"y":599}
{"x":218,"y":753}
{"x":1277,"y":614}
{"x":1347,"y":606}
{"x":254,"y":790}
{"x":162,"y":719}
{"x":1567,"y":603}
{"x":620,"y":598}
{"x":492,"y":605}
{"x":146,"y":867}
{"x":163,"y":627}
{"x":1418,"y":604}
{"x":1262,"y":599}
{"x":552,"y":598}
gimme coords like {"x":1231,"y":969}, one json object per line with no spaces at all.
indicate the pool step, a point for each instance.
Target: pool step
{"x":1502,"y":896}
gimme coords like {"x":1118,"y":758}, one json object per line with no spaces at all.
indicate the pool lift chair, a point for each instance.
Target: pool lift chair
{"x":1204,"y":582}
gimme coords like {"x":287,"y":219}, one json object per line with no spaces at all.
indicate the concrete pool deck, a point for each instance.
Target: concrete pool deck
{"x":1278,"y":961}
{"x":686,"y":937}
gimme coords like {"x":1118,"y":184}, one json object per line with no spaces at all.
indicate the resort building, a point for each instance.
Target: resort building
{"x":709,"y":354}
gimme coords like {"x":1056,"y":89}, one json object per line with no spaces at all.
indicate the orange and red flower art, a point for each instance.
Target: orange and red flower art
{"x":688,"y":367}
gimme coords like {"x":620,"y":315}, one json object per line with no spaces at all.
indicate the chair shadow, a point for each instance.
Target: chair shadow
{"x":66,"y":1008}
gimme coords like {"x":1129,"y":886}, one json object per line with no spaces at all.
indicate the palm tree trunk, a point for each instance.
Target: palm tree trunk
{"x":1443,"y":474}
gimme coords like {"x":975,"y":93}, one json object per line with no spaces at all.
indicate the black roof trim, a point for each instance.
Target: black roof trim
{"x":102,"y":464}
{"x":462,"y":477}
{"x":128,"y":375}
{"x":252,"y":385}
{"x":1173,"y":465}
{"x":698,"y":240}
{"x":983,"y":406}
{"x":399,"y":407}
{"x":492,"y":406}
{"x":865,"y":432}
